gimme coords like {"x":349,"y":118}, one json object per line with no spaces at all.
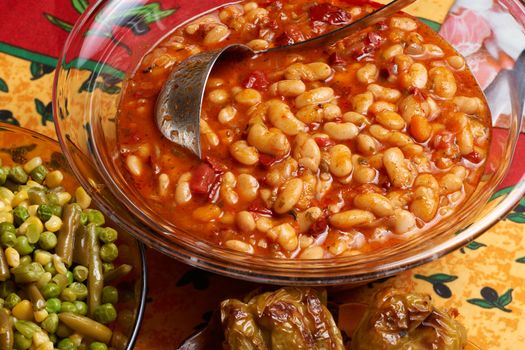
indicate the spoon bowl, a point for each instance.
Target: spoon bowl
{"x":180,"y":100}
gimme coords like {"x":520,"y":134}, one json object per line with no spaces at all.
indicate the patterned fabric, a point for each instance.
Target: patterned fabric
{"x":483,"y":280}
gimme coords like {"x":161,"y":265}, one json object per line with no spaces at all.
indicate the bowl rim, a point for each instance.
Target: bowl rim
{"x":235,"y":265}
{"x":142,"y":251}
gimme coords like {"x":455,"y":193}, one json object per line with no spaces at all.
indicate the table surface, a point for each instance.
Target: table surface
{"x":180,"y":298}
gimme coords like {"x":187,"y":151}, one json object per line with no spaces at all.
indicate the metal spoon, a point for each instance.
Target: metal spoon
{"x":180,"y":100}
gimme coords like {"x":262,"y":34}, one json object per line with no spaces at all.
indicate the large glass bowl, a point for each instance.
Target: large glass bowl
{"x":19,"y":145}
{"x":107,"y":44}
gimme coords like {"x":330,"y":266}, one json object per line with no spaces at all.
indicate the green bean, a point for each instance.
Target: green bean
{"x":60,"y":280}
{"x":108,"y":252}
{"x":6,"y":330}
{"x":20,"y":214}
{"x":6,"y":288}
{"x":39,"y":173}
{"x":48,"y":240}
{"x":18,"y":175}
{"x":28,"y":273}
{"x":81,"y":251}
{"x":80,"y":273}
{"x":21,"y":342}
{"x":86,"y":326}
{"x":96,"y":279}
{"x":66,"y":234}
{"x":50,"y":324}
{"x":63,"y":331}
{"x":117,"y":273}
{"x":109,"y":295}
{"x":36,"y":297}
{"x":37,"y":196}
{"x":3,"y":175}
{"x":4,"y":268}
{"x":27,"y":328}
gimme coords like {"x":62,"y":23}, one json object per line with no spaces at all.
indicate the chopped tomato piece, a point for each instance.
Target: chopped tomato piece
{"x":291,"y":35}
{"x":324,"y":142}
{"x":474,"y":157}
{"x":257,"y":80}
{"x":202,"y":177}
{"x":259,"y":207}
{"x":266,"y":160}
{"x":320,"y":226}
{"x":329,"y":14}
{"x":335,"y":59}
{"x":216,"y":165}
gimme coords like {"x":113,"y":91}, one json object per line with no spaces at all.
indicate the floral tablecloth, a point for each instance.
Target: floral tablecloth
{"x":484,"y":280}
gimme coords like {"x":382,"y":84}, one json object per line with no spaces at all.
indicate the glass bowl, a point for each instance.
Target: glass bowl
{"x":107,"y":44}
{"x":19,"y":145}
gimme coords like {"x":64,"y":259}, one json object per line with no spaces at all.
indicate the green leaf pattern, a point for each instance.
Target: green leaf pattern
{"x":3,"y":86}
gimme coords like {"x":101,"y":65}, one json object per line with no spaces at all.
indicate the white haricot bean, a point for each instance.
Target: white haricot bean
{"x":281,"y":116}
{"x":390,"y":120}
{"x":271,"y":141}
{"x":442,"y":82}
{"x":256,"y":15}
{"x":182,"y":191}
{"x":239,"y":246}
{"x":425,"y":203}
{"x":281,"y":172}
{"x":287,"y":88}
{"x":384,"y":93}
{"x":164,"y":183}
{"x":364,"y":174}
{"x":403,"y":23}
{"x":410,"y":106}
{"x":399,"y":139}
{"x":310,"y":114}
{"x":351,"y":218}
{"x":340,"y":160}
{"x":243,"y":153}
{"x":308,"y":192}
{"x":450,"y":183}
{"x":134,"y":165}
{"x":263,"y":224}
{"x":216,"y":35}
{"x":427,"y":180}
{"x":361,"y":102}
{"x":258,"y":44}
{"x":289,"y":196}
{"x":378,"y":204}
{"x":355,"y":118}
{"x":403,"y":221}
{"x":433,"y":51}
{"x":315,"y":96}
{"x":247,"y":187}
{"x":309,"y":72}
{"x":465,"y":140}
{"x":245,"y":221}
{"x":316,"y":252}
{"x":211,"y":136}
{"x":306,"y":218}
{"x":382,"y":106}
{"x":403,"y":62}
{"x":456,"y":62}
{"x":416,"y":76}
{"x":341,"y":131}
{"x":331,"y":111}
{"x":468,"y":105}
{"x":307,"y":152}
{"x":248,"y":97}
{"x":392,"y":51}
{"x":397,"y":168}
{"x":219,"y":96}
{"x":285,"y":235}
{"x":379,"y":132}
{"x":207,"y":213}
{"x":226,"y":115}
{"x":228,"y":195}
{"x":367,"y":74}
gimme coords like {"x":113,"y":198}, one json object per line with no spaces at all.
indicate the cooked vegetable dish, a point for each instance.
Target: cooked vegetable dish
{"x":56,"y":264}
{"x":330,"y":152}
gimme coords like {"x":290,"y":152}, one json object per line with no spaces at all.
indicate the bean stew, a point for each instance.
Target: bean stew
{"x":336,"y":151}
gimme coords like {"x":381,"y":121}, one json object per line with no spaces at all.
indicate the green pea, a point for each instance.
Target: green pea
{"x":36,"y":196}
{"x":83,"y":218}
{"x":32,"y":233}
{"x":22,"y":245}
{"x":44,"y":212}
{"x":50,"y":324}
{"x":70,"y":277}
{"x":48,"y":240}
{"x":98,"y":346}
{"x":56,"y":210}
{"x":106,"y":267}
{"x":63,"y":331}
{"x":80,"y":290}
{"x":108,"y":235}
{"x":68,"y":306}
{"x":52,"y":198}
{"x":28,"y":273}
{"x":108,"y":252}
{"x":109,"y":295}
{"x":53,"y":305}
{"x":68,"y":295}
{"x":50,"y":267}
{"x":20,"y":214}
{"x":81,"y":306}
{"x":21,"y":342}
{"x":6,"y":288}
{"x":11,"y":300}
{"x":27,"y":328}
{"x":53,"y":338}
{"x":7,"y":227}
{"x":8,"y":239}
{"x":105,"y":313}
{"x":51,"y":290}
{"x":96,"y":217}
{"x":25,"y":260}
{"x":66,"y":344}
{"x":3,"y":175}
{"x":39,"y":173}
{"x":18,"y":175}
{"x":80,"y":273}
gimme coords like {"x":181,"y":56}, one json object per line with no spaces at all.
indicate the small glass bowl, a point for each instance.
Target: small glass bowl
{"x":17,"y":145}
{"x":88,"y":84}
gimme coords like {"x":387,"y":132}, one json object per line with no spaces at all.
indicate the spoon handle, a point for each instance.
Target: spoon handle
{"x":372,"y":18}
